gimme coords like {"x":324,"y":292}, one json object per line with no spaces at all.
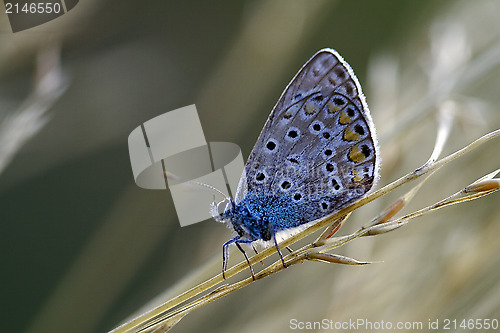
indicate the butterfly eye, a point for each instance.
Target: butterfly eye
{"x":359,"y":129}
{"x":335,"y":105}
{"x":271,"y":145}
{"x":359,"y":154}
{"x":285,"y":185}
{"x":350,"y":112}
{"x":315,"y":127}
{"x":365,"y":150}
{"x":335,"y":184}
{"x":293,"y":160}
{"x":355,"y":133}
{"x":339,"y":71}
{"x":329,"y":168}
{"x":339,"y":101}
{"x":260,"y":177}
{"x":347,"y":116}
{"x":318,"y":98}
{"x":293,"y":134}
{"x":351,"y":89}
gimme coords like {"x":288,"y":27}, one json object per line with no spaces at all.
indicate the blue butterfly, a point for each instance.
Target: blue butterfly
{"x":316,"y":154}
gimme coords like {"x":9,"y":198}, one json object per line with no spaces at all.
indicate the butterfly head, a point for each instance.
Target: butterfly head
{"x":214,"y":210}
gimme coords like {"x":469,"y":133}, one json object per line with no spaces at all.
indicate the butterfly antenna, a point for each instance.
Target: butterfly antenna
{"x":194,"y":182}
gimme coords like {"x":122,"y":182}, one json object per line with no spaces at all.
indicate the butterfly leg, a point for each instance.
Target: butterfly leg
{"x":246,"y":257}
{"x":255,"y":250}
{"x":279,"y":251}
{"x":225,"y":253}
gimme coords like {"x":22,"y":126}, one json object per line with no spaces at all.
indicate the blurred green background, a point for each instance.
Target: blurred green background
{"x":82,"y":247}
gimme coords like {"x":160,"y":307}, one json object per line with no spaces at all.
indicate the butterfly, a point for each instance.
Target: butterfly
{"x":316,"y":154}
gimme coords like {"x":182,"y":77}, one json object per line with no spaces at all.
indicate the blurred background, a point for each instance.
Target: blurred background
{"x":82,"y":247}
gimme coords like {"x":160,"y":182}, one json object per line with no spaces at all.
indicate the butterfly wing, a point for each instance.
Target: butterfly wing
{"x":318,"y":150}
